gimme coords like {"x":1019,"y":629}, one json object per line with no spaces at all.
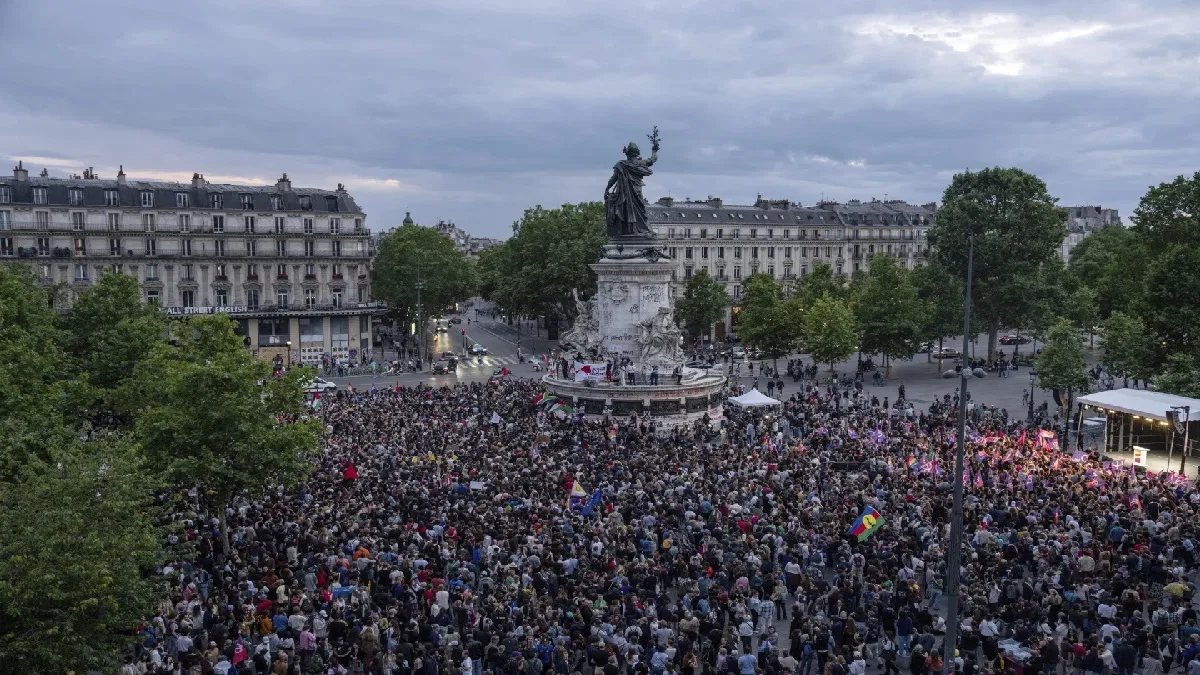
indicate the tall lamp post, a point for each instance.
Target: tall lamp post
{"x":1187,"y":417}
{"x":1032,"y":384}
{"x":420,"y":323}
{"x":954,"y":555}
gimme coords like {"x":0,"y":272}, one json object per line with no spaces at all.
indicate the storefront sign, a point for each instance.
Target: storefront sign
{"x":189,"y":311}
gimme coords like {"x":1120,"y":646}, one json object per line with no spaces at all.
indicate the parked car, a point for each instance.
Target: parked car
{"x":1013,"y":340}
{"x":477,"y":350}
{"x":319,"y":386}
{"x":947,"y":353}
{"x":737,"y":352}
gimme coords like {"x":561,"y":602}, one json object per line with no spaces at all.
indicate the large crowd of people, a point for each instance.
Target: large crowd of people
{"x":438,"y":535}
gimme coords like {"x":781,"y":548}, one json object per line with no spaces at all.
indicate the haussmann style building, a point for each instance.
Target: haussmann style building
{"x":290,"y":265}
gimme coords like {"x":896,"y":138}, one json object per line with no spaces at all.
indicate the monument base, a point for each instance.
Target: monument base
{"x":698,"y":395}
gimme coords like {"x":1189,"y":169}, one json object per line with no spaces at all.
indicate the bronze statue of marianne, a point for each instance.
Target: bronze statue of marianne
{"x":624,"y":206}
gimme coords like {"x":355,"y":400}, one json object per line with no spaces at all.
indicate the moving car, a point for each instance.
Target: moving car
{"x":439,"y":368}
{"x":319,"y":386}
{"x":455,"y":320}
{"x":947,"y":353}
{"x":443,"y":329}
{"x":737,"y":352}
{"x":451,"y":359}
{"x":477,"y":350}
{"x":1013,"y":340}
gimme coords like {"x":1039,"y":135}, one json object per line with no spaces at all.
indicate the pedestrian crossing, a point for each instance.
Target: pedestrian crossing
{"x":489,"y":361}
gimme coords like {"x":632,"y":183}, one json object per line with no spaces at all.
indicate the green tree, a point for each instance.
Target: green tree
{"x":1083,"y":310}
{"x":1016,"y":228}
{"x":108,"y":331}
{"x":942,"y":297}
{"x":819,"y":282}
{"x":1169,"y":215}
{"x":1061,"y":364}
{"x":1180,"y":375}
{"x":767,"y":321}
{"x":205,"y":419}
{"x":1112,"y":263}
{"x":703,"y":304}
{"x":410,"y":254}
{"x":77,"y":554}
{"x":889,"y":311}
{"x":830,"y":332}
{"x":1127,"y":346}
{"x":550,"y":255}
{"x":1168,"y":306}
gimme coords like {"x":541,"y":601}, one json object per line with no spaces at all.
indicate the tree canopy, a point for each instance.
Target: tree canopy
{"x":410,"y":254}
{"x":703,"y":304}
{"x":1061,"y":364}
{"x":767,"y":321}
{"x":830,"y":332}
{"x":1016,"y":229}
{"x":1126,"y":345}
{"x":942,"y":296}
{"x":888,"y":310}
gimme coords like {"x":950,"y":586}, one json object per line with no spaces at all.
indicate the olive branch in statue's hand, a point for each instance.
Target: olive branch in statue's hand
{"x":654,"y":139}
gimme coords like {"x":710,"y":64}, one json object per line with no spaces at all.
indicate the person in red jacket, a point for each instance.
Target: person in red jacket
{"x":350,"y":473}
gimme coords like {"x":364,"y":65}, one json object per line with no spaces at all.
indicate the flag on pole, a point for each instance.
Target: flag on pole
{"x":867,"y":523}
{"x":595,"y":500}
{"x":316,"y":403}
{"x":577,"y":497}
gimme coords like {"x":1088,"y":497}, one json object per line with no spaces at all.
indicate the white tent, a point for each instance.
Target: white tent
{"x":754,"y":399}
{"x":1150,"y":404}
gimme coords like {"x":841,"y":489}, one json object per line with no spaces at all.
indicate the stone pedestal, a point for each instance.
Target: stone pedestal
{"x":630,"y":291}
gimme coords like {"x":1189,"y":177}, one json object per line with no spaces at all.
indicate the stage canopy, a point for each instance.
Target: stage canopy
{"x":1151,"y":404}
{"x":756,"y":399}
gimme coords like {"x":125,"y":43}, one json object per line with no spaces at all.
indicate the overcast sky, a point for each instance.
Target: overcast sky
{"x":472,"y":110}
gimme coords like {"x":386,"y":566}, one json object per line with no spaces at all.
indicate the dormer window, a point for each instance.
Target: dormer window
{"x":216,"y":200}
{"x":276,"y":203}
{"x":39,"y":195}
{"x":248,"y":202}
{"x":147,"y":199}
{"x":75,"y":195}
{"x":305,"y":203}
{"x":181,"y":200}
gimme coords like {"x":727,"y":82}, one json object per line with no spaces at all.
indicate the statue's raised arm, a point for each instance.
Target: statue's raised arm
{"x":654,"y":141}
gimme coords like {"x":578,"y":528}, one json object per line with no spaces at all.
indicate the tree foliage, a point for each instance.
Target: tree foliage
{"x":1169,"y":215}
{"x":77,"y":556}
{"x":410,"y":254}
{"x":547,"y":257}
{"x":204,"y":418}
{"x":767,"y":321}
{"x":818,"y":283}
{"x":1062,"y":364}
{"x":703,"y":304}
{"x":1180,"y":376}
{"x":1111,"y":262}
{"x":1127,"y":346}
{"x":830,"y":332}
{"x":941,"y":295}
{"x":888,"y":310}
{"x":1016,"y":228}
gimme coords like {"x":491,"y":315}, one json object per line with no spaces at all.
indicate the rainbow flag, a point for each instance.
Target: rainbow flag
{"x":910,"y":462}
{"x":867,"y":523}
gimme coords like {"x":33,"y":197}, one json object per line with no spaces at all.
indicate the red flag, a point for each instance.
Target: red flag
{"x":504,"y":372}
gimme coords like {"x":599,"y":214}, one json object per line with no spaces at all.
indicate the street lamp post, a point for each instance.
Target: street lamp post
{"x":1032,"y":383}
{"x":954,"y":555}
{"x":1187,"y":416}
{"x":420,"y":323}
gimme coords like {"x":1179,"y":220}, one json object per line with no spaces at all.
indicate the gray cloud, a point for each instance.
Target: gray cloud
{"x":473,"y":110}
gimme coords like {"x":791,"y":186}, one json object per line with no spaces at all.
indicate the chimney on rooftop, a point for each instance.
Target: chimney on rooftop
{"x":714,"y":202}
{"x":665,"y":201}
{"x":45,"y":173}
{"x":121,"y":175}
{"x":341,"y":188}
{"x":19,"y":172}
{"x":197,"y":180}
{"x":283,"y":184}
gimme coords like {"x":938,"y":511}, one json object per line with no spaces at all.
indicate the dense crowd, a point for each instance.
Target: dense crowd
{"x":435,"y":536}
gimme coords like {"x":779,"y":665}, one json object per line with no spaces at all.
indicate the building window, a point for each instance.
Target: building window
{"x":704,"y":253}
{"x":78,"y":220}
{"x":189,"y":298}
{"x":252,"y":299}
{"x":305,"y":203}
{"x":687,"y":252}
{"x":181,"y":200}
{"x":687,"y":273}
{"x":358,"y":224}
{"x":5,"y":220}
{"x":152,"y":272}
{"x":251,"y":248}
{"x":336,"y":298}
{"x":219,"y":272}
{"x":335,"y":225}
{"x":310,"y":298}
{"x":310,"y":271}
{"x":117,"y":268}
{"x":248,"y":223}
{"x":187,"y":272}
{"x":310,"y":248}
{"x":276,"y":203}
{"x":335,"y":248}
{"x":786,"y":234}
{"x":218,"y":224}
{"x":770,"y":251}
{"x":39,"y":195}
{"x":248,"y":202}
{"x":362,"y":293}
{"x":112,"y":198}
{"x":6,"y":246}
{"x":221,"y":298}
{"x":151,"y":247}
{"x":80,"y":246}
{"x":721,"y":273}
{"x":43,"y":245}
{"x":153,"y":297}
{"x":219,"y":248}
{"x":114,"y":247}
{"x":5,"y":194}
{"x":147,"y":222}
{"x":281,"y":271}
{"x":281,"y":298}
{"x":754,"y":253}
{"x":737,"y":253}
{"x":75,"y":196}
{"x":331,"y":204}
{"x":81,"y":272}
{"x":185,"y":247}
{"x":216,"y":200}
{"x":336,"y":271}
{"x":147,"y":199}
{"x":771,"y":270}
{"x":185,"y":222}
{"x":281,"y":249}
{"x":42,"y":219}
{"x":787,"y":251}
{"x":308,"y":225}
{"x":737,"y":272}
{"x":280,"y":225}
{"x":720,"y":253}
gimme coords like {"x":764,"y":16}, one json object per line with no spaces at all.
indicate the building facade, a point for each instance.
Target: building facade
{"x":1082,"y":222}
{"x":468,"y":245}
{"x":785,"y":239}
{"x":290,"y":265}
